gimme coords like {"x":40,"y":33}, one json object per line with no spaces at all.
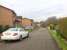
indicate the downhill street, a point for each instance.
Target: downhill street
{"x":39,"y":39}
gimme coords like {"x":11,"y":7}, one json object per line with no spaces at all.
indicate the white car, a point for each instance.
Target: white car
{"x":14,"y":34}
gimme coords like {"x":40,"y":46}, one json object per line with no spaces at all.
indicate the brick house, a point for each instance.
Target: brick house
{"x":27,"y":23}
{"x":24,"y":22}
{"x":7,"y":16}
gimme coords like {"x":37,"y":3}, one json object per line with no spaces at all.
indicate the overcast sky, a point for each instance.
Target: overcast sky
{"x":37,"y":9}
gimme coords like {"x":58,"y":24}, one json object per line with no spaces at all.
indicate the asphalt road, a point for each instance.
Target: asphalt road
{"x":39,"y":40}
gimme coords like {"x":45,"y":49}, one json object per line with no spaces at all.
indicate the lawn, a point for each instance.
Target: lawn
{"x":62,"y":43}
{"x":29,"y":30}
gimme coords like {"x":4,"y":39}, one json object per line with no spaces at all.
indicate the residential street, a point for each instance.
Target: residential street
{"x":39,"y":40}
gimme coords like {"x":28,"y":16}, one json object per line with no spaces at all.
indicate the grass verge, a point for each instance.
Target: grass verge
{"x":29,"y":30}
{"x":62,"y":43}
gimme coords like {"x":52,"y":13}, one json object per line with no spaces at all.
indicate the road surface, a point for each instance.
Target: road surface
{"x":39,"y":40}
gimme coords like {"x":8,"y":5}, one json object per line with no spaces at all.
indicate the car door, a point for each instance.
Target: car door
{"x":23,"y":33}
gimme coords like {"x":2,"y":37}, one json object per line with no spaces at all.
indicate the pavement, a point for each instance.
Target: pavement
{"x":39,"y":39}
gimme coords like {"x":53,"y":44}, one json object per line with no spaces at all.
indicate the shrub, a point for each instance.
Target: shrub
{"x":1,"y":29}
{"x":63,"y":27}
{"x":52,"y":26}
{"x":6,"y":27}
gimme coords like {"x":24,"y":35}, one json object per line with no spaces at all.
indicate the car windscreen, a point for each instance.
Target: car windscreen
{"x":13,"y":29}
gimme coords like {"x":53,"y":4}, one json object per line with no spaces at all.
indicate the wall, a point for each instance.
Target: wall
{"x":6,"y":16}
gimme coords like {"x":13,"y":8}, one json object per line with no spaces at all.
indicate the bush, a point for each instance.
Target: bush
{"x":52,"y":26}
{"x":63,"y":27}
{"x":6,"y":27}
{"x":1,"y":29}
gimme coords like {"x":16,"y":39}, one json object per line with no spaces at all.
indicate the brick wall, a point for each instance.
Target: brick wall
{"x":6,"y":16}
{"x":26,"y":22}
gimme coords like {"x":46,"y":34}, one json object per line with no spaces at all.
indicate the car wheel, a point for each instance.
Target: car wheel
{"x":20,"y":37}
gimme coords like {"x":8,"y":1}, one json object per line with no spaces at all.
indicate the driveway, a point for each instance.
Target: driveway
{"x":39,"y":40}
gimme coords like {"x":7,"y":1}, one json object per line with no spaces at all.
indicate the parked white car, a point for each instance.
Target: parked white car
{"x":14,"y":34}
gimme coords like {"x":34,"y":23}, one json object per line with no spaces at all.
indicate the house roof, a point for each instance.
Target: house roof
{"x":8,"y":9}
{"x":28,"y":19}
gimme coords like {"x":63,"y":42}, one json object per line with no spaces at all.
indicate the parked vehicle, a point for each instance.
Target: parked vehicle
{"x":14,"y":34}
